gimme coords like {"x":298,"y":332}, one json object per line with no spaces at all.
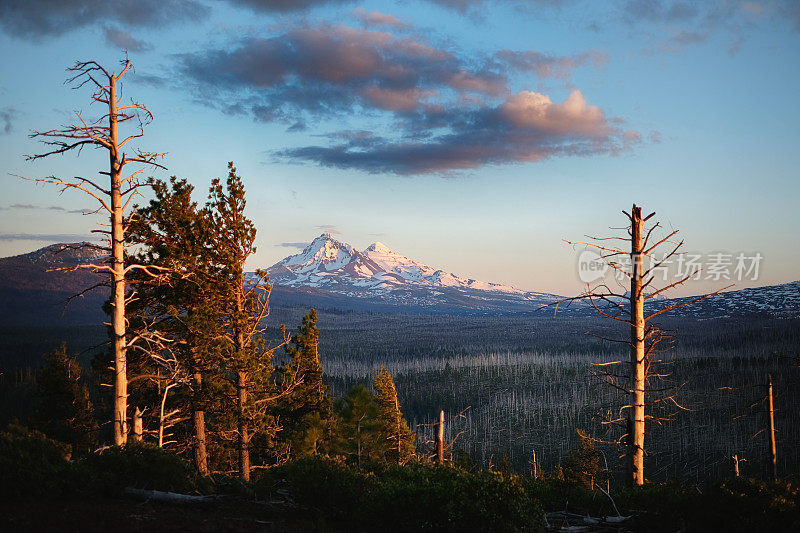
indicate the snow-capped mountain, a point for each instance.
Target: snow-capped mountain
{"x":381,"y":273}
{"x":330,"y":273}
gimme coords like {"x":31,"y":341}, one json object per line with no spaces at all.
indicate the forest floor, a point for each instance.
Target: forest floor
{"x":229,"y":514}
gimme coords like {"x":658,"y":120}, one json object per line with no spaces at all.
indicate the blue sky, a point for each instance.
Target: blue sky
{"x":473,"y":135}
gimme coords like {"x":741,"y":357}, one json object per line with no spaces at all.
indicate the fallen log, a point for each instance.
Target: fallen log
{"x":167,"y":497}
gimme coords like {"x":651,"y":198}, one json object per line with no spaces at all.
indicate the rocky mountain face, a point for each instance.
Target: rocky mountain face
{"x":383,"y":276}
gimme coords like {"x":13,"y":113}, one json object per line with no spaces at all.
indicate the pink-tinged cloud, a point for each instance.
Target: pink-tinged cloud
{"x":376,"y":18}
{"x":329,"y":69}
{"x":547,"y":66}
{"x":754,"y":8}
{"x":527,"y":127}
{"x":446,"y":111}
{"x":632,"y":137}
{"x":528,"y":109}
{"x":396,"y":99}
{"x":488,"y":83}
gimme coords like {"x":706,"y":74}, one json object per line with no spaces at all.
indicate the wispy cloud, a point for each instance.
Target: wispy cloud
{"x":123,"y":39}
{"x":7,"y":116}
{"x":372,"y":19}
{"x":34,"y":20}
{"x":299,"y":245}
{"x":460,"y":6}
{"x":329,"y":228}
{"x":549,"y":66}
{"x":47,"y":237}
{"x":46,"y":208}
{"x":675,"y":25}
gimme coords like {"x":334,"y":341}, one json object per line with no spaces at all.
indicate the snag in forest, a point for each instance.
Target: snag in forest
{"x":115,"y":197}
{"x":629,"y":308}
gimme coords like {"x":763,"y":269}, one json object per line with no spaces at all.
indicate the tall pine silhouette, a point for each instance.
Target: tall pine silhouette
{"x":308,"y":413}
{"x":397,"y":440}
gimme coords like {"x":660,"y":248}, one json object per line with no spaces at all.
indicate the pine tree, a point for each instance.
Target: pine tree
{"x":397,"y":440}
{"x":307,"y":411}
{"x":357,"y":412}
{"x":63,"y":409}
{"x":582,"y":464}
{"x":173,"y":310}
{"x":243,"y":306}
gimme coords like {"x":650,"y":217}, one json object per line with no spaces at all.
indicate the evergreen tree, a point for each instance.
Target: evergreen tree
{"x":308,"y":415}
{"x":173,"y":309}
{"x":243,"y":305}
{"x":63,"y":409}
{"x":357,"y":412}
{"x":582,"y":464}
{"x":397,"y":440}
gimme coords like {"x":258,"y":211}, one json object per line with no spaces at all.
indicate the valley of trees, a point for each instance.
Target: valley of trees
{"x":202,"y":391}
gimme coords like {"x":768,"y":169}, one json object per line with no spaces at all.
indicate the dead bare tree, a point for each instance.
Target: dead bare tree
{"x":773,"y":452}
{"x":103,"y":133}
{"x":440,"y":439}
{"x":765,"y":405}
{"x":646,"y":339}
{"x":439,"y":444}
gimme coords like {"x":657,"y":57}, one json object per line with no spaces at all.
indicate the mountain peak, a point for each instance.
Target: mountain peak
{"x":323,"y":253}
{"x":378,"y":270}
{"x":379,"y":247}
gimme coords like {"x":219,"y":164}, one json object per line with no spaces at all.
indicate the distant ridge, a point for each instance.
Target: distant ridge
{"x":329,"y":274}
{"x":30,"y":293}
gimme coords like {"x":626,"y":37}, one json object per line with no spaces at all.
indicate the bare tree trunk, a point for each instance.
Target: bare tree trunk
{"x":398,"y":432}
{"x":535,"y":469}
{"x":440,"y":439}
{"x":137,"y":425}
{"x":773,"y":452}
{"x":637,"y":348}
{"x":112,"y":199}
{"x":358,"y":439}
{"x":161,"y":417}
{"x":735,"y":465}
{"x":199,"y":416}
{"x":118,"y":275}
{"x":244,"y":451}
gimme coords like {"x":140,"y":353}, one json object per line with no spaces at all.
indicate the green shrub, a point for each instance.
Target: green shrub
{"x":321,"y":484}
{"x":136,"y":465}
{"x":31,"y":464}
{"x":446,"y":498}
{"x":410,"y":497}
{"x":738,"y":504}
{"x":742,"y":504}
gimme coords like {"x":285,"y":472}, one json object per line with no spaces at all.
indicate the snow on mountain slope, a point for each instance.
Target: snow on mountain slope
{"x":413,"y":272}
{"x":379,"y":272}
{"x":380,"y":276}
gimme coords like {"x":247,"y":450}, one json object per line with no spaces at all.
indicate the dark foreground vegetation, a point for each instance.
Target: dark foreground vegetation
{"x":40,"y":489}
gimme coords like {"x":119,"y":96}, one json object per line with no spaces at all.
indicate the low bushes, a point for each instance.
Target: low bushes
{"x":137,"y":465}
{"x":33,"y":465}
{"x":409,"y":498}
